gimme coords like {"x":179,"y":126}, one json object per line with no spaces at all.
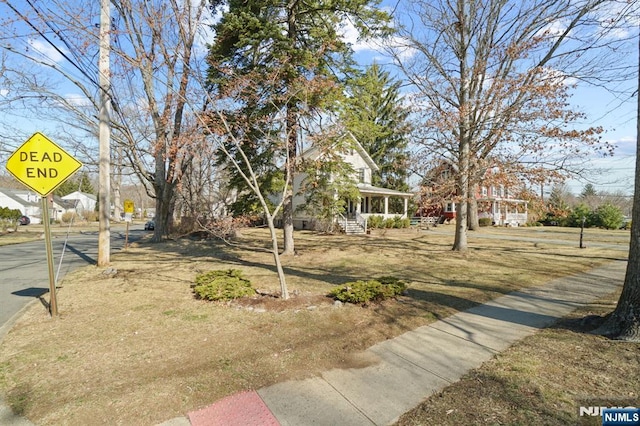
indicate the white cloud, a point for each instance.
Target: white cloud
{"x":77,"y":100}
{"x":401,"y":48}
{"x":396,"y":44}
{"x":559,"y":76}
{"x":45,"y":52}
{"x":350,"y":35}
{"x":618,"y":21}
{"x":625,"y":146}
{"x":553,"y":29}
{"x":206,"y":34}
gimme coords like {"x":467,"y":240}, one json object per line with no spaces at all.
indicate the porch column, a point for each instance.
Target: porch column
{"x":359,"y":205}
{"x":386,"y":206}
{"x":406,"y":207}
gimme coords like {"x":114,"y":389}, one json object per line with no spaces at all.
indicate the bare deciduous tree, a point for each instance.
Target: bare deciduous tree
{"x":154,"y":58}
{"x":492,"y":79}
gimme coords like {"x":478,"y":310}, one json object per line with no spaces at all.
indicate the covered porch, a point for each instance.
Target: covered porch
{"x":376,"y":201}
{"x":504,"y":212}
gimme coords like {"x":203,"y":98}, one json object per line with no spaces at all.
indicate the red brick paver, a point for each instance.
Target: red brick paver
{"x":242,"y":409}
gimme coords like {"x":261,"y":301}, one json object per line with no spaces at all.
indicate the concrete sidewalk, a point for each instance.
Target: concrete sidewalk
{"x":406,"y":369}
{"x":413,"y":366}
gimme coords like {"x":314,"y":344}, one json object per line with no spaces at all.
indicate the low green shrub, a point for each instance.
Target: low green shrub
{"x":400,"y":223}
{"x":222,"y":285}
{"x":485,"y":221}
{"x":375,"y":222}
{"x":393,"y":286}
{"x":11,"y":215}
{"x":378,"y":222}
{"x":364,"y":292}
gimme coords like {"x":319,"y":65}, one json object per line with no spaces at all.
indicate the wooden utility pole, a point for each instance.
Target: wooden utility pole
{"x":104,"y":237}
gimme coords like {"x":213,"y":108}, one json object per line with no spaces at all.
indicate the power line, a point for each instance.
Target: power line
{"x":49,"y":41}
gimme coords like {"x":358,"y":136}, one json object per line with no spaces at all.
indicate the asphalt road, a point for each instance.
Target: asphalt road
{"x":24,"y":271}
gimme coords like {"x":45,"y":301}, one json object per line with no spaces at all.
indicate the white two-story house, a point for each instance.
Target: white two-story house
{"x":373,"y":200}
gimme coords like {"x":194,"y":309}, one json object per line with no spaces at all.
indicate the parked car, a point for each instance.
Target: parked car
{"x":24,"y":220}
{"x":150,"y":226}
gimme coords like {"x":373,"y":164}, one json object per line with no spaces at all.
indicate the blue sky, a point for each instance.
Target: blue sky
{"x":618,"y":117}
{"x":615,"y":113}
{"x":603,"y":109}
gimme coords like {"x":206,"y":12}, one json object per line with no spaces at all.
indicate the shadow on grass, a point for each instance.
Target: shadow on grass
{"x":421,"y":298}
{"x":19,"y":399}
{"x":231,"y":256}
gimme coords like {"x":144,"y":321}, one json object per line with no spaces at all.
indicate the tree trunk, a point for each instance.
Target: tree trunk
{"x":292,"y":139}
{"x":473,"y":222}
{"x":284,"y":292}
{"x":164,"y":210}
{"x":287,"y":223}
{"x":287,"y":207}
{"x":115,"y":188}
{"x":460,"y":241}
{"x":464,"y":137}
{"x":624,"y":322}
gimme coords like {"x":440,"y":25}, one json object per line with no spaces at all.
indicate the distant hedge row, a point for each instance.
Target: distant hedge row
{"x":379,"y":222}
{"x":10,"y":214}
{"x":605,"y":216}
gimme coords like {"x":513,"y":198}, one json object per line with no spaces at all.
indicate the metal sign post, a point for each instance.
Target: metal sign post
{"x":53,"y":301}
{"x":128,"y":216}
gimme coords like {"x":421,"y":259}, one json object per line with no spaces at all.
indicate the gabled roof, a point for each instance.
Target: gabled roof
{"x":66,"y":204}
{"x":14,"y":194}
{"x":363,"y":152}
{"x":75,"y":196}
{"x":313,"y":151}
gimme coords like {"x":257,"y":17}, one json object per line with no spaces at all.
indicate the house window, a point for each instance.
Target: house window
{"x":502,"y":190}
{"x":450,"y":208}
{"x":494,"y":191}
{"x":484,"y":191}
{"x":361,"y":173}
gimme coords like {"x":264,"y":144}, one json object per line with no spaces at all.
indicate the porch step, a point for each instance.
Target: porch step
{"x":351,"y":227}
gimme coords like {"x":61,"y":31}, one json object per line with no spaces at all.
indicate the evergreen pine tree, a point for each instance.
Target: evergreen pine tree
{"x":374,"y":113}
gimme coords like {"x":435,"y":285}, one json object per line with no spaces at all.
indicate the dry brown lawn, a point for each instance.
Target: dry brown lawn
{"x":136,"y":347}
{"x":33,"y":232}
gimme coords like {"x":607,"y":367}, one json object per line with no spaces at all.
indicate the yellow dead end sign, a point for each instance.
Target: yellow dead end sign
{"x":129,"y":206}
{"x":41,"y":165}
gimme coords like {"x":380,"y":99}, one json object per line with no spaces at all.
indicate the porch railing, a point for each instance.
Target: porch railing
{"x":343,"y":220}
{"x":362,"y":221}
{"x":516,"y":217}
